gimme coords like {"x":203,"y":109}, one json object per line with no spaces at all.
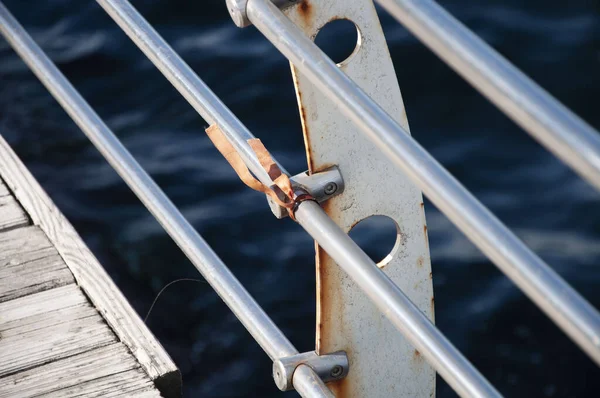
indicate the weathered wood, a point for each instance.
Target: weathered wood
{"x":48,"y":320}
{"x":61,"y":340}
{"x":133,"y":383}
{"x":30,"y":337}
{"x":22,"y":241}
{"x":89,"y":274}
{"x":3,"y":190}
{"x":106,"y":371}
{"x":28,"y":309}
{"x":11,"y":214}
{"x":29,"y":264}
{"x":44,"y":310}
{"x":54,"y":343}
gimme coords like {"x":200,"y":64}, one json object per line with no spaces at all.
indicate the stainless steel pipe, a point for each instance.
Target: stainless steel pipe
{"x":183,"y":78}
{"x":430,"y":341}
{"x":394,"y":304}
{"x":546,"y":288}
{"x":561,"y":131}
{"x":243,"y":305}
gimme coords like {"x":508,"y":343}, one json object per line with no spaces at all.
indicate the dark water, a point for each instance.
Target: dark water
{"x":558,"y":215}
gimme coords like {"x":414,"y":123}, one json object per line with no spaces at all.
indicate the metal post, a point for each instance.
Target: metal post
{"x":545,"y":287}
{"x":373,"y":186}
{"x":243,"y":305}
{"x":428,"y":337}
{"x":561,"y":131}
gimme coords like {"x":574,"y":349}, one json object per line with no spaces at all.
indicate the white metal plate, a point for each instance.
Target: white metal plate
{"x":382,"y":362}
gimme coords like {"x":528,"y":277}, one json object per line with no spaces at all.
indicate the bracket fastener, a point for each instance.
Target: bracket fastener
{"x":329,"y":367}
{"x":237,"y":10}
{"x":321,"y":186}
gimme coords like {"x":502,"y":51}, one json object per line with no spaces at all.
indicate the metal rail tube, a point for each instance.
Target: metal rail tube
{"x":535,"y":278}
{"x":308,"y":384}
{"x":243,"y":305}
{"x":394,"y":304}
{"x":561,"y":131}
{"x":183,"y":78}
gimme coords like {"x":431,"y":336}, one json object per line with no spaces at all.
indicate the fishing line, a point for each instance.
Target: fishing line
{"x":165,"y":288}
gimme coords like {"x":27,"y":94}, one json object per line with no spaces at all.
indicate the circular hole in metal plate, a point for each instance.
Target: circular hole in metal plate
{"x":339,"y":39}
{"x":378,"y":236}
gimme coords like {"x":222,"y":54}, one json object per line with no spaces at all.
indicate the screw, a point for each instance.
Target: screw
{"x":279,"y":376}
{"x":336,"y":371}
{"x":331,"y":188}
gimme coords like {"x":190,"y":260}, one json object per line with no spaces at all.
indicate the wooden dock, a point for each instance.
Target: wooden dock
{"x":65,"y":328}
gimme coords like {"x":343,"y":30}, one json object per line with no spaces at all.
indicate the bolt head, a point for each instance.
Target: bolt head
{"x":237,"y":10}
{"x":336,"y":371}
{"x":279,"y":376}
{"x":331,"y":188}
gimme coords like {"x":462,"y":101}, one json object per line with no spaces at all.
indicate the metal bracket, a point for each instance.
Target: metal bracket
{"x":329,"y":367}
{"x":237,"y":10}
{"x":322,"y":186}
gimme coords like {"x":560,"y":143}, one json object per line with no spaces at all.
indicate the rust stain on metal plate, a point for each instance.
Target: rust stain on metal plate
{"x":330,"y":305}
{"x":305,"y":130}
{"x":340,"y":388}
{"x":320,"y":293}
{"x":306,"y":11}
{"x":417,"y":356}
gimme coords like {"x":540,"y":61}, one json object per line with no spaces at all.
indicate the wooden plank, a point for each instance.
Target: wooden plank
{"x":22,"y":241}
{"x":11,"y":214}
{"x":105,"y":371}
{"x":142,"y":394}
{"x":47,"y":321}
{"x":61,"y":340}
{"x":33,"y":336}
{"x":133,"y":383}
{"x":3,"y":190}
{"x":40,"y":303}
{"x":31,"y":312}
{"x":90,"y":275}
{"x":29,"y":264}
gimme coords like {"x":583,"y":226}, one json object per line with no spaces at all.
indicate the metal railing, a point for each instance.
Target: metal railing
{"x":571,"y":139}
{"x":535,"y":278}
{"x":566,"y":135}
{"x":246,"y":309}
